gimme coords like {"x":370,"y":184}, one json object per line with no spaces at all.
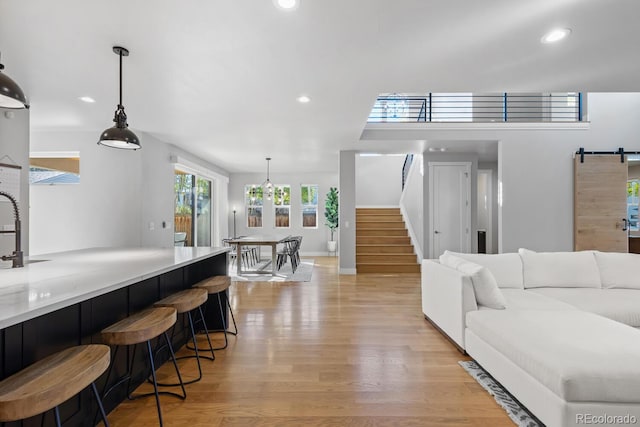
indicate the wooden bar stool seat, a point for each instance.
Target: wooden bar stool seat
{"x":218,"y":285}
{"x":185,"y":302}
{"x":140,"y":328}
{"x":214,"y":284}
{"x":53,"y":380}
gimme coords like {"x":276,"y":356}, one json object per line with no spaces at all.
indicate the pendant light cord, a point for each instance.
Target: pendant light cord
{"x":120,"y":55}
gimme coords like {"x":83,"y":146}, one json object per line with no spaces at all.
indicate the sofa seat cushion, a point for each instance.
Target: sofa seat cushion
{"x":579,"y":356}
{"x":506,"y":268}
{"x":621,"y":305}
{"x":519,"y":299}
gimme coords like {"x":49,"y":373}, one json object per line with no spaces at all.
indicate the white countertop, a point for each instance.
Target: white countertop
{"x":54,"y":281}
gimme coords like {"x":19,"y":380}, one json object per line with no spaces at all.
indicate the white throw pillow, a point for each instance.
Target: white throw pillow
{"x":451,"y":259}
{"x":484,"y":284}
{"x":560,"y":269}
{"x":506,"y":268}
{"x":619,"y":270}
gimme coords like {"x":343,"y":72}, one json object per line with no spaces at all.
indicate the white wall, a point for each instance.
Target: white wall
{"x":378,"y":180}
{"x":537,"y":172}
{"x":411,"y":204}
{"x":347,"y":230}
{"x":158,"y":176}
{"x":14,"y":143}
{"x":103,"y":210}
{"x":119,"y":194}
{"x":314,"y":240}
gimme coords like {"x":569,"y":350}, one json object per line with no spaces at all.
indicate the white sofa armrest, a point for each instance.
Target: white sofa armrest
{"x":447,"y":297}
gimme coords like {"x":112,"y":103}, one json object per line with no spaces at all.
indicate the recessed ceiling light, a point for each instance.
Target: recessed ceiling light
{"x":87,"y":99}
{"x":556,"y":35}
{"x":303,"y":99}
{"x":286,"y":4}
{"x":434,"y":149}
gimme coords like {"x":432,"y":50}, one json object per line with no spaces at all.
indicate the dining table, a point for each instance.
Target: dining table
{"x":257,"y":240}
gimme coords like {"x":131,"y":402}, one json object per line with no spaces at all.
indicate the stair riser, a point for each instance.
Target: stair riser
{"x":378,"y":211}
{"x":383,"y":249}
{"x":378,"y":240}
{"x":375,"y":232}
{"x":360,"y":225}
{"x":385,"y":258}
{"x":388,"y":269}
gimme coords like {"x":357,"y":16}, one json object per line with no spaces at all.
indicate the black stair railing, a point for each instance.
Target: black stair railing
{"x":469,"y":107}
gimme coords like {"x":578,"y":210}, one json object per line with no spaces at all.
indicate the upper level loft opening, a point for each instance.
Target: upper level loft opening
{"x":478,"y":108}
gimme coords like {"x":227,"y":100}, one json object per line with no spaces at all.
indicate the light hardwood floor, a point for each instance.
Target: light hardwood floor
{"x":336,"y":351}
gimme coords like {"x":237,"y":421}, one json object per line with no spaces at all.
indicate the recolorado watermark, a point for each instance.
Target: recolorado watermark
{"x":591,"y":419}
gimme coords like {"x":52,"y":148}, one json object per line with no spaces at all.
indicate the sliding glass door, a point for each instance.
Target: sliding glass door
{"x":203,"y":212}
{"x":193,"y":216}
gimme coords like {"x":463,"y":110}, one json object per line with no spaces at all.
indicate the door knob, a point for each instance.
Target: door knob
{"x":436,"y":232}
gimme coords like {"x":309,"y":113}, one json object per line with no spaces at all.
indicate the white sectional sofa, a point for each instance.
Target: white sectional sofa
{"x":558,"y":330}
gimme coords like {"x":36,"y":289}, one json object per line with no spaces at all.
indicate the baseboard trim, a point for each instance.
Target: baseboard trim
{"x":323,"y":253}
{"x":457,"y":346}
{"x":349,"y":271}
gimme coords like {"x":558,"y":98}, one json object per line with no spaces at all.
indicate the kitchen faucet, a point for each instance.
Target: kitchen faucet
{"x":17,"y":256}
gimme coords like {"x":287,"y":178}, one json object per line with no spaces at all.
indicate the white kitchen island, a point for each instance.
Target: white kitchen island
{"x":49,"y":282}
{"x":64,"y":299}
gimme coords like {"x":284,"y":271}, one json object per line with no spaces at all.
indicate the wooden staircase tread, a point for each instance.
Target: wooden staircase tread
{"x":386,"y":263}
{"x":384,"y":244}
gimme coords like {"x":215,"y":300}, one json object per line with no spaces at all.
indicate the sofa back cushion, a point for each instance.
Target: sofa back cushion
{"x":560,"y":269}
{"x":484,"y":284}
{"x":619,"y":270}
{"x":506,"y":268}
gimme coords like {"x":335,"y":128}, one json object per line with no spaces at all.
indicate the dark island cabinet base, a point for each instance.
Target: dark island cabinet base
{"x":27,"y":342}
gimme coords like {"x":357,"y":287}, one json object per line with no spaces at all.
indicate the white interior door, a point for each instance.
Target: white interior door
{"x":450,"y":207}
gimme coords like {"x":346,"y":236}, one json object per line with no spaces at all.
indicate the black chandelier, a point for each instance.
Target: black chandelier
{"x":266,"y":188}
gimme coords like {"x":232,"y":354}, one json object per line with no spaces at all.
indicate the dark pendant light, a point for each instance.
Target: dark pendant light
{"x":11,"y":96}
{"x":120,"y":136}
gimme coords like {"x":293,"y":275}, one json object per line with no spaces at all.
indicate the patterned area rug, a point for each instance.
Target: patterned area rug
{"x":303,"y":272}
{"x":518,"y":414}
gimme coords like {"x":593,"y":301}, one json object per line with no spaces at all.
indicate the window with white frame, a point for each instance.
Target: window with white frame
{"x":254,"y":200}
{"x":309,"y":199}
{"x":282,"y":205}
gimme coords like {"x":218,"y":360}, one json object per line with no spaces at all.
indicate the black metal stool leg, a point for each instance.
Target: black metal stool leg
{"x":197,"y":356}
{"x":155,"y":383}
{"x":206,"y":332}
{"x":235,"y":326}
{"x":56,"y":412}
{"x":204,"y":325}
{"x":175,"y":364}
{"x":100,"y":406}
{"x":224,"y":324}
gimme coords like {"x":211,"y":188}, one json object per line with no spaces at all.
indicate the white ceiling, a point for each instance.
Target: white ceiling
{"x":220,"y":78}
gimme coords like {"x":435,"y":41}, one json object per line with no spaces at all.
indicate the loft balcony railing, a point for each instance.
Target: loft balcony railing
{"x":474,"y":108}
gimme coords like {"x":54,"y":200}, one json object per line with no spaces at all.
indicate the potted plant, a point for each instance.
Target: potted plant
{"x":331,"y":216}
